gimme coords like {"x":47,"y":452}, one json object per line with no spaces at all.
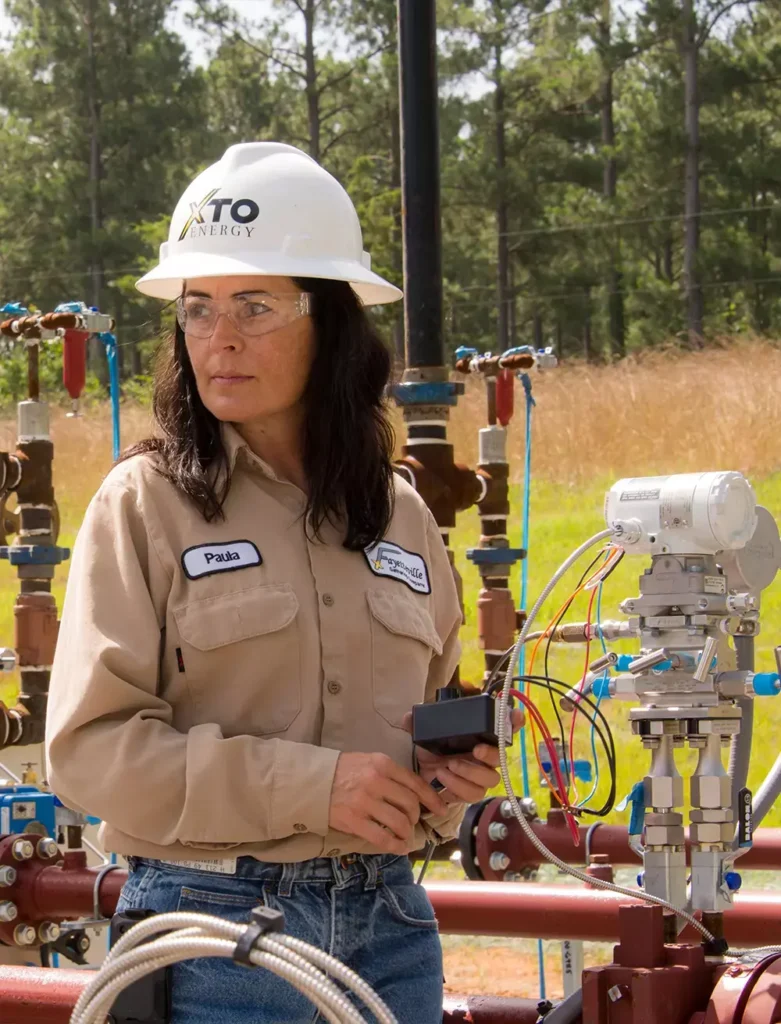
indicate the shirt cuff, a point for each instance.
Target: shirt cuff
{"x":441,"y":828}
{"x":301,"y":789}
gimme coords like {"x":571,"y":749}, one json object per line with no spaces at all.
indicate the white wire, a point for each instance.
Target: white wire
{"x":143,"y":950}
{"x":596,"y":883}
{"x":168,"y":950}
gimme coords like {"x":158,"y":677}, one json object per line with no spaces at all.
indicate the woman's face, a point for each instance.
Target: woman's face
{"x":261,"y":370}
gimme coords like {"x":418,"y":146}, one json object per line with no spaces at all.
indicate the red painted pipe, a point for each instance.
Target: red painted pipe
{"x":612,"y":840}
{"x":64,"y":893}
{"x":465,"y":908}
{"x":36,"y":995}
{"x":568,"y":912}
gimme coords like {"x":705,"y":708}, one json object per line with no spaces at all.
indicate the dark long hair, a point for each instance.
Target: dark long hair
{"x":348,"y":442}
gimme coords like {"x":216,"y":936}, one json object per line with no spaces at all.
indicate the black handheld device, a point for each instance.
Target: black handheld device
{"x":456,"y":725}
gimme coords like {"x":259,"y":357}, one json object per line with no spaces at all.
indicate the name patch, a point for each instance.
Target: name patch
{"x":386,"y":559}
{"x":207,"y":559}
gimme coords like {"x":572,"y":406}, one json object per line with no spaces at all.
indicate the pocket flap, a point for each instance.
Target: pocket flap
{"x":404,"y":616}
{"x":214,"y":621}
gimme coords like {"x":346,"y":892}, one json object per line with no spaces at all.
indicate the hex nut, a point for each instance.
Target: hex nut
{"x":711,"y":791}
{"x":663,"y":790}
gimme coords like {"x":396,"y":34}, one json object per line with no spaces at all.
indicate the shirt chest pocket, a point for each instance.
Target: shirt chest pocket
{"x":404,"y":641}
{"x":242,"y":658}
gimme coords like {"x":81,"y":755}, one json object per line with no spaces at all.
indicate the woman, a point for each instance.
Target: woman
{"x":239,"y":653}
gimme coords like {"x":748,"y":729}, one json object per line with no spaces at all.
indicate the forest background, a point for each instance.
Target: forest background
{"x":610,"y":173}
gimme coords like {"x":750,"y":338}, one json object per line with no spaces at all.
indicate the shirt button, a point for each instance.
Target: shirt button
{"x":334,"y":687}
{"x":333,"y":853}
{"x":299,"y":827}
{"x":328,"y":600}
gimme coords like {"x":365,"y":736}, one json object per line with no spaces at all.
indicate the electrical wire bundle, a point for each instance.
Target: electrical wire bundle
{"x":561,"y":779}
{"x":165,"y":939}
{"x":504,"y":699}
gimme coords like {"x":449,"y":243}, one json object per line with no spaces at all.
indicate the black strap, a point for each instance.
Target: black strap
{"x":263,"y":920}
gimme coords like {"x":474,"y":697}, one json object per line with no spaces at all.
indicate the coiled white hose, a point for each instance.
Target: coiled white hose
{"x":542,"y":849}
{"x":193,"y":935}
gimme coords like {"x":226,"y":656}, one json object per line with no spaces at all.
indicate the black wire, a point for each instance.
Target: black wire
{"x":606,"y":738}
{"x":557,"y":686}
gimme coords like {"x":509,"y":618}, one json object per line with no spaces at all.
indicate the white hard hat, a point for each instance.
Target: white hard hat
{"x":265,"y":208}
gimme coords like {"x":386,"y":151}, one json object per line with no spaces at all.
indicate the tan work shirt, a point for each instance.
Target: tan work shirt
{"x":207,"y":675}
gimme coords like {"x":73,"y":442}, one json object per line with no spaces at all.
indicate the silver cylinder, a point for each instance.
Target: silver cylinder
{"x":492,"y":445}
{"x":33,"y":421}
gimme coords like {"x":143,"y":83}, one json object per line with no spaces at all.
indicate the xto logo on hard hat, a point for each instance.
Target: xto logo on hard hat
{"x":242,"y":211}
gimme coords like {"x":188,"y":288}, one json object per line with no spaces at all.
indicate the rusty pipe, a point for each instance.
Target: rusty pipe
{"x":532,"y":911}
{"x":522,"y":910}
{"x":611,"y":840}
{"x":490,"y":1010}
{"x":66,"y":892}
{"x":36,"y":995}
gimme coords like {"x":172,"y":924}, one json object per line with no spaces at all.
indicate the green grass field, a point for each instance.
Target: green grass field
{"x":565,"y":511}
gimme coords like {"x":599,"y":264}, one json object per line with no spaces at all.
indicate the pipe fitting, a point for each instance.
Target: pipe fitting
{"x":8,"y":911}
{"x":48,"y":848}
{"x":22,"y":849}
{"x":25,"y":935}
{"x":8,"y":875}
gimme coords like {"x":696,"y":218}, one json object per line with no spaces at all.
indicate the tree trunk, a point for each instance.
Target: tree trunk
{"x":502,"y":254}
{"x":539,"y":336}
{"x":691,"y":281}
{"x":668,"y":259}
{"x":609,"y":184}
{"x":512,"y":308}
{"x":312,"y":95}
{"x":588,"y":347}
{"x":96,"y":268}
{"x":398,"y":260}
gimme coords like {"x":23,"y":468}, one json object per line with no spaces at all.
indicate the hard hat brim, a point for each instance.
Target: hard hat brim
{"x":167,"y":279}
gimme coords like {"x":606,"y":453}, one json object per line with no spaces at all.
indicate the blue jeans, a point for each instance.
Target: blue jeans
{"x":365,"y":910}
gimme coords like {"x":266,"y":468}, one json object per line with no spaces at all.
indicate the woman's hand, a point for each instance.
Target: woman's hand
{"x":379,"y":801}
{"x":466,"y":777}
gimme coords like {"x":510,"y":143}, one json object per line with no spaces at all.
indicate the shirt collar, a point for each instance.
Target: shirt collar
{"x":236,"y":447}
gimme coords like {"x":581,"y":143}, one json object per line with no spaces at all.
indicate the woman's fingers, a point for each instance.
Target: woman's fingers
{"x":400,"y":797}
{"x":472,"y":771}
{"x":467,"y":792}
{"x":391,"y":817}
{"x":379,"y":837}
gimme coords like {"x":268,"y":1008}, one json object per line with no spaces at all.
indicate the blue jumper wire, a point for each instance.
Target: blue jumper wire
{"x":525,"y":380}
{"x":110,"y":344}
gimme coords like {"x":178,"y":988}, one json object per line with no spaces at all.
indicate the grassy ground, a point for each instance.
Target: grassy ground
{"x":591,"y":426}
{"x":664,"y":414}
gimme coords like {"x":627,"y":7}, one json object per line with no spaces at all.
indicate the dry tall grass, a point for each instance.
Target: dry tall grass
{"x":664,"y":412}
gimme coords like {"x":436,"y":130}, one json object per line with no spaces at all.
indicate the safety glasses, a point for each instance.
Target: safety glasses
{"x":252,"y":314}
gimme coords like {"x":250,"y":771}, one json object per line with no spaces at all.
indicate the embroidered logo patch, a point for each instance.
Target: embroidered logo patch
{"x":206,"y":559}
{"x":386,"y":559}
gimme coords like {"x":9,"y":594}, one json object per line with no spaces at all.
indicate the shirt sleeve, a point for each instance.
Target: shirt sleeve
{"x":111,"y":748}
{"x":448,"y":620}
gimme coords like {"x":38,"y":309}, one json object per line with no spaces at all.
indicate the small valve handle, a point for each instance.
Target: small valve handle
{"x":706,"y":660}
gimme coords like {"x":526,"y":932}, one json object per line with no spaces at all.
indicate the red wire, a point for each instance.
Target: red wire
{"x":548,"y":740}
{"x":580,"y":690}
